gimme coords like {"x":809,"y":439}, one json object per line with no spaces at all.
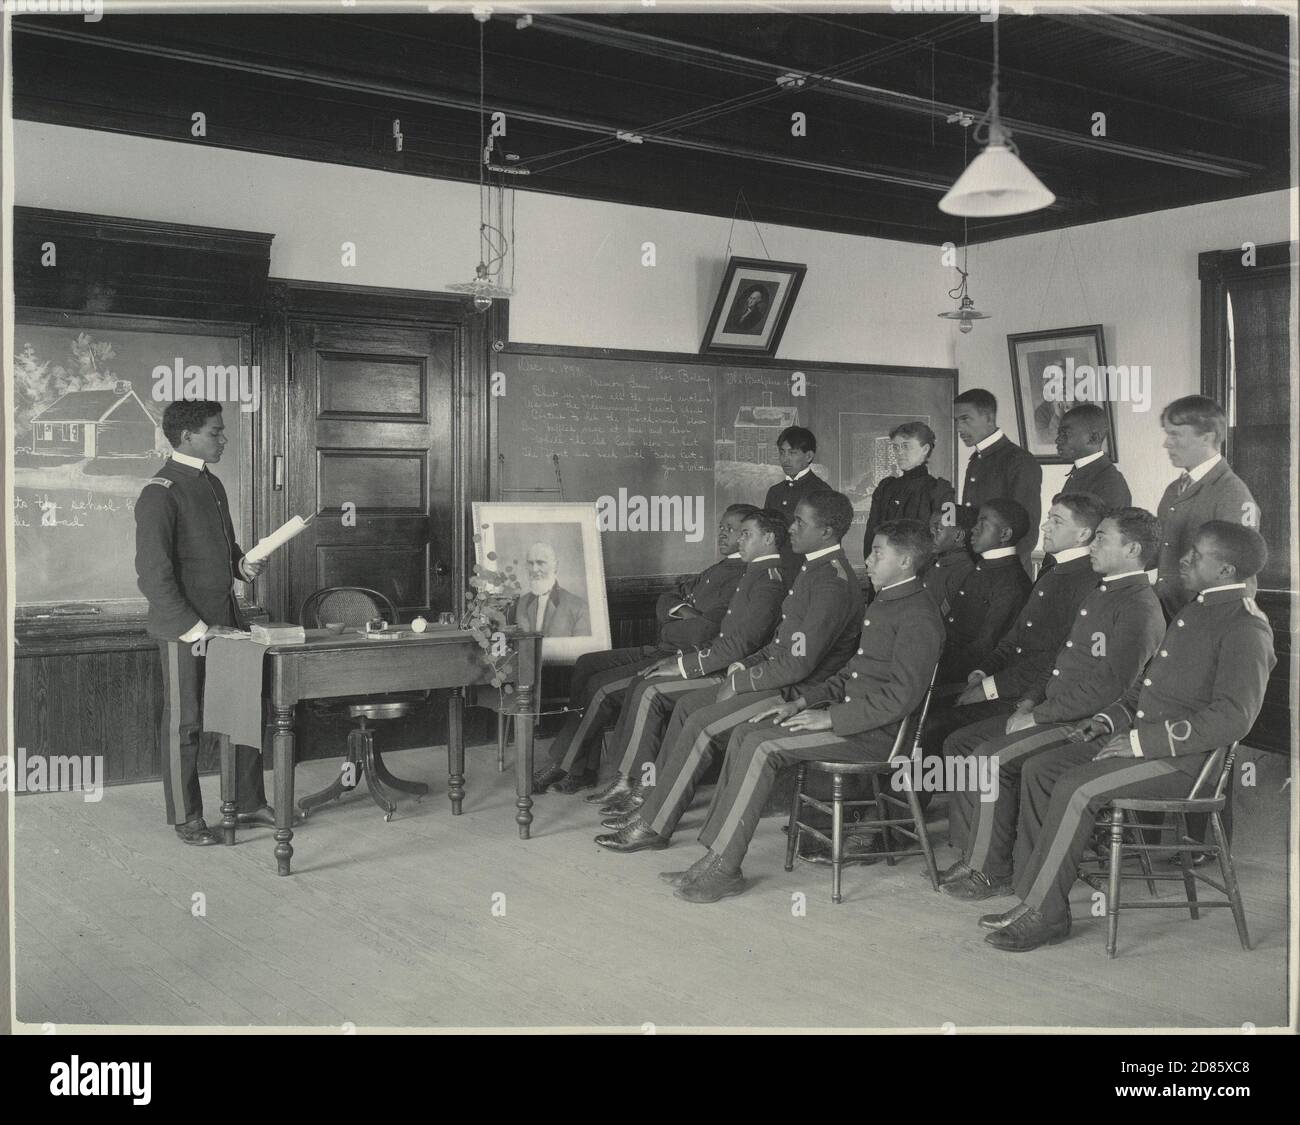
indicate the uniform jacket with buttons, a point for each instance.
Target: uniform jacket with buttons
{"x":1205,"y":685}
{"x":821,"y":618}
{"x":888,"y":676}
{"x":1219,"y":495}
{"x":1115,"y":631}
{"x":945,"y":575}
{"x":708,"y":592}
{"x":783,"y":496}
{"x":980,"y":613}
{"x":915,"y":495}
{"x":749,"y":621}
{"x":1023,"y":659}
{"x":1005,"y":471}
{"x":186,"y":556}
{"x":1101,"y":479}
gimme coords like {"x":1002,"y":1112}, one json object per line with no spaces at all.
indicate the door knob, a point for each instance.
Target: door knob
{"x":441,"y":570}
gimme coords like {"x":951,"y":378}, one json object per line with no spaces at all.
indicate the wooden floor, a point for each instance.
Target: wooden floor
{"x":393,"y":925}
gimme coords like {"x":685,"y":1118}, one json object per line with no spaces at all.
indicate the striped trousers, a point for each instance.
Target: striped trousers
{"x":697,"y":723}
{"x":596,"y":690}
{"x":985,"y":830}
{"x":1061,"y":795}
{"x":180,"y":728}
{"x":647,"y":709}
{"x":755,"y":755}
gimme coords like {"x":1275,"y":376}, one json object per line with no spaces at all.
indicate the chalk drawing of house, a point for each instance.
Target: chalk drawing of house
{"x":100,"y":423}
{"x":758,"y":427}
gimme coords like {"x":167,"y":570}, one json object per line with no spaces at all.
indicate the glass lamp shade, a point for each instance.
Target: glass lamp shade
{"x":996,"y":183}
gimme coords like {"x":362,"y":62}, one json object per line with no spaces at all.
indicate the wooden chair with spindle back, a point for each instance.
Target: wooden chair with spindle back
{"x":910,"y":825}
{"x":1174,"y":811}
{"x":353,"y":606}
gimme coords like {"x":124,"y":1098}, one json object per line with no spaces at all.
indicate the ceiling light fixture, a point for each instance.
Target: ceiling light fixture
{"x":493,"y":246}
{"x":997,"y":183}
{"x":965,"y":312}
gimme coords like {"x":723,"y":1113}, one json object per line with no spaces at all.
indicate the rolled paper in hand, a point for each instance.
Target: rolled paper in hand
{"x":278,"y":538}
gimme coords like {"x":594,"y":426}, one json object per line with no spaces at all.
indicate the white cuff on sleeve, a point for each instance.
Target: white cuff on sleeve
{"x":1133,"y":742}
{"x":990,"y":688}
{"x":194,"y":634}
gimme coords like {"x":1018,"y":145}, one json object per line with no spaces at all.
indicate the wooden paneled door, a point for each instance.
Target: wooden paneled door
{"x":372,"y":441}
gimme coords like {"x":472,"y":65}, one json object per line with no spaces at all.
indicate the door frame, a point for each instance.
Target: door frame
{"x":477,"y":336}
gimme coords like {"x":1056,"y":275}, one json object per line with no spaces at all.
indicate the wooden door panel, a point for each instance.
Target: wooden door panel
{"x":371,"y":411}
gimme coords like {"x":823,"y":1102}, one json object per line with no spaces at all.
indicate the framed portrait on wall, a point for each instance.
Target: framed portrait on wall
{"x":553,"y":553}
{"x":752,"y":308}
{"x":1052,"y":372}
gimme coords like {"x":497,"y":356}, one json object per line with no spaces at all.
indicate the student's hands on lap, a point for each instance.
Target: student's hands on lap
{"x":779,"y":712}
{"x":1117,"y":746}
{"x":1089,"y":730}
{"x":666,"y":667}
{"x":1022,"y":718}
{"x":808,"y":720}
{"x":725,"y":690}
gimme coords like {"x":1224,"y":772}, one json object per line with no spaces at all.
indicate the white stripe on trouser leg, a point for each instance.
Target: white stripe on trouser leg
{"x":1078,"y":808}
{"x":644,"y":704}
{"x":756,"y":764}
{"x":588,"y":717}
{"x":174,"y":730}
{"x":698,"y":749}
{"x":985,"y":811}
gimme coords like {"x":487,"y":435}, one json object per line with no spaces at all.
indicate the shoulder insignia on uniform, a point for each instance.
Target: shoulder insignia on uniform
{"x":1252,"y":607}
{"x":839,"y":569}
{"x":160,"y":480}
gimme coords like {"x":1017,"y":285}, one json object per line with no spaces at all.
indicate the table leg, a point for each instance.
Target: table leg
{"x":524,"y":759}
{"x":229,"y":789}
{"x":456,"y":748}
{"x":282,"y":740}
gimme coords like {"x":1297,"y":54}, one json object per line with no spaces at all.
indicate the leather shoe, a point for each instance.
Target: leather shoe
{"x":857,"y":850}
{"x":576,"y":782}
{"x":714,"y":883}
{"x":977,"y":886}
{"x":1027,"y":932}
{"x":998,"y":921}
{"x":1197,"y":861}
{"x":635,"y":837}
{"x":619,"y":820}
{"x":544,"y":779}
{"x":630,"y":801}
{"x":696,"y":869}
{"x":955,"y":874}
{"x":618,"y":787}
{"x":264,"y":816}
{"x":196,"y":833}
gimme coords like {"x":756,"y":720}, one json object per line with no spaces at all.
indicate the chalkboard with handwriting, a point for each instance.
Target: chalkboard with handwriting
{"x":662,"y":443}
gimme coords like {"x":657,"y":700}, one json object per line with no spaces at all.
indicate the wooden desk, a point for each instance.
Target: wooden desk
{"x":328,"y":666}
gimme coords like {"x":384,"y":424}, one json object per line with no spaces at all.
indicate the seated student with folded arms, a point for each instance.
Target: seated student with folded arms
{"x":987,"y":602}
{"x":747,"y":625}
{"x":865,"y":702}
{"x":687,"y":616}
{"x":1201,"y":691}
{"x":950,"y":529}
{"x":818,"y":632}
{"x":1023,"y":658}
{"x":1114,"y":633}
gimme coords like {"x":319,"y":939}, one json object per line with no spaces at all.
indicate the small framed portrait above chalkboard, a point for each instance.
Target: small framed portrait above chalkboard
{"x":753,"y":306}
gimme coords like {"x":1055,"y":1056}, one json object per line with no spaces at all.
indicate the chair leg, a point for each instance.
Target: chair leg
{"x":1229,"y":873}
{"x":837,"y":835}
{"x":1112,"y":895}
{"x":340,"y":784}
{"x":927,"y":849}
{"x":377,"y":791}
{"x":882,"y":813}
{"x":1144,"y":860}
{"x":417,"y":788}
{"x":792,"y":829}
{"x":1189,"y":878}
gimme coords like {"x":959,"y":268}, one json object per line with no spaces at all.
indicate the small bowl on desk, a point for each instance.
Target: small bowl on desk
{"x":335,"y":627}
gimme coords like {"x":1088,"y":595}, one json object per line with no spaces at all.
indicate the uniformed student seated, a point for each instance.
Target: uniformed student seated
{"x":950,"y":530}
{"x":853,"y":715}
{"x":1111,"y":636}
{"x":688,"y":616}
{"x":747,"y":626}
{"x":985,"y":605}
{"x":1202,"y":690}
{"x":818,"y":632}
{"x":1025,"y":655}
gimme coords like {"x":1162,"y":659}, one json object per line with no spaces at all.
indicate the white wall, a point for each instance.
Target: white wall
{"x":1137,"y":278}
{"x":578,"y":278}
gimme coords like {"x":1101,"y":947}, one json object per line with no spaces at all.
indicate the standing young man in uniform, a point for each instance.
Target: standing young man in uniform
{"x":1081,"y":438}
{"x":796,"y":449}
{"x":186,"y":561}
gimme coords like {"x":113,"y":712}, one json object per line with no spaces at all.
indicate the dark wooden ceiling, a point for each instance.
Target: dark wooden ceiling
{"x":1196,"y":107}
